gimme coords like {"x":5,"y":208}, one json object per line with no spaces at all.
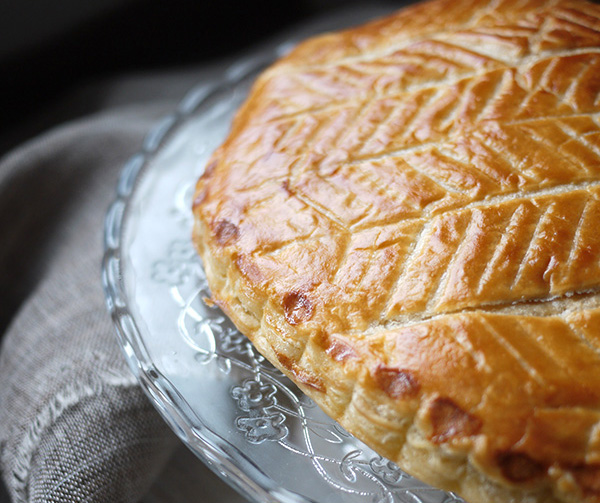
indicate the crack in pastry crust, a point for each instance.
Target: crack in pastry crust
{"x":403,"y":220}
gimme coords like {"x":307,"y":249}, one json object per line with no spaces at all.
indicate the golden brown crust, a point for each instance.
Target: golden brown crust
{"x":404,"y":220}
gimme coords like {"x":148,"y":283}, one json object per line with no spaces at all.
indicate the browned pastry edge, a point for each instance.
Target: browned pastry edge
{"x":413,"y":452}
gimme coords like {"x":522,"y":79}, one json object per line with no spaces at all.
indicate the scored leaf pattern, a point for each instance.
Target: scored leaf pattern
{"x":440,"y":131}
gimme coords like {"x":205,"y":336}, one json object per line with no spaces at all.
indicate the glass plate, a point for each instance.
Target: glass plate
{"x":233,"y":409}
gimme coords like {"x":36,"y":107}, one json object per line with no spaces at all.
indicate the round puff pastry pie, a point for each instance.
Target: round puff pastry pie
{"x":405,"y":219}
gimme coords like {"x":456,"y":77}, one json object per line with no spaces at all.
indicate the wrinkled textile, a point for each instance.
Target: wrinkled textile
{"x":74,"y":424}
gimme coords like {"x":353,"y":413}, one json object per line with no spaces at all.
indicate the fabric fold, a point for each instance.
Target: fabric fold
{"x":74,"y":424}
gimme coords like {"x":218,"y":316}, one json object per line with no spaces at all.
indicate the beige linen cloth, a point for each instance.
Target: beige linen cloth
{"x":74,"y":424}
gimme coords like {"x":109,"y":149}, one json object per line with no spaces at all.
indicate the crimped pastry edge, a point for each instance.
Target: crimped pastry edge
{"x":408,"y":447}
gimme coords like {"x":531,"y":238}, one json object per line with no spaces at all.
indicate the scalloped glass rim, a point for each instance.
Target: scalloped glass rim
{"x":265,"y":414}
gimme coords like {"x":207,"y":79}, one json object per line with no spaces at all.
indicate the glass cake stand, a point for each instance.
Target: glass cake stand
{"x":233,"y":409}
